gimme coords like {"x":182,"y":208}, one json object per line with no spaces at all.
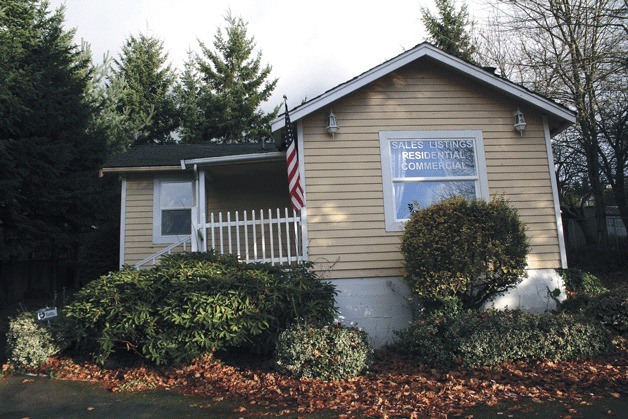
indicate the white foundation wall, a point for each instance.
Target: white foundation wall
{"x":381,"y":306}
{"x":377,"y":305}
{"x":533,"y":293}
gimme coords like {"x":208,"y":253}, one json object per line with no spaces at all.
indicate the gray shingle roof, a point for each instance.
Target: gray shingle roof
{"x":172,"y":154}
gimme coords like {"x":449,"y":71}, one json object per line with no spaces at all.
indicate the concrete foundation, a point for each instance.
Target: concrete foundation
{"x":378,"y":305}
{"x":381,"y":306}
{"x":533,"y":293}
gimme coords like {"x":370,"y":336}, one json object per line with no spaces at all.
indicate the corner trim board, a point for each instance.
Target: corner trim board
{"x":552,"y":173}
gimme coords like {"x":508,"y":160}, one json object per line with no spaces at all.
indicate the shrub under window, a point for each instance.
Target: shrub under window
{"x":466,"y":250}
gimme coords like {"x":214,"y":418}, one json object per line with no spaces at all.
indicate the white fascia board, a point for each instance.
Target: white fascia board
{"x":440,"y":56}
{"x":127,"y":169}
{"x":276,"y":155}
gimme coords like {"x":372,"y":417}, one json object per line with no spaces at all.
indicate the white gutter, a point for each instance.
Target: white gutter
{"x":276,"y":155}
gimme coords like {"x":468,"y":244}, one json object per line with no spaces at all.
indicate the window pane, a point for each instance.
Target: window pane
{"x":432,"y":158}
{"x":176,"y":195}
{"x":176,"y":222}
{"x":428,"y":193}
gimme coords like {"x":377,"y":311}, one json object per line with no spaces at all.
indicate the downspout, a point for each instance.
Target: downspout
{"x":122,"y":220}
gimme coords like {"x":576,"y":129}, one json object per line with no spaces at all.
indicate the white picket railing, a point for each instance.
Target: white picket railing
{"x":272,"y":236}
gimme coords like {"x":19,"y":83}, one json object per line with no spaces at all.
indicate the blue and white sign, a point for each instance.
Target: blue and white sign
{"x":432,"y":158}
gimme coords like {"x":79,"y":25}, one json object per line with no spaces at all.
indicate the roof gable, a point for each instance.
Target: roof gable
{"x":421,"y":51}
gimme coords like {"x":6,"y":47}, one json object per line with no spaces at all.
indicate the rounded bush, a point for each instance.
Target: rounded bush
{"x":193,"y":304}
{"x":331,"y":352}
{"x":29,"y":341}
{"x":466,"y":250}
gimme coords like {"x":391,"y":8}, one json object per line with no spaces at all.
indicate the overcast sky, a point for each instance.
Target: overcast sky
{"x":311,"y":45}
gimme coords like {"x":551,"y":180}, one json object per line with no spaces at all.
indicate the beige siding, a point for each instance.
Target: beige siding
{"x":345,"y":206}
{"x":138,"y":241}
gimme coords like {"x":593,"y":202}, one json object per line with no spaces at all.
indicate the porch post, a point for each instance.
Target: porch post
{"x":202,"y":210}
{"x":304,"y":234}
{"x":195,"y":236}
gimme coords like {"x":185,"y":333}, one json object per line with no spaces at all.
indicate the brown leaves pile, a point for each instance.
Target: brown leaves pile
{"x":395,"y":387}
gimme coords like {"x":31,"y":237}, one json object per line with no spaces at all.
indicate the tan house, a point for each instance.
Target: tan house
{"x":422,"y":126}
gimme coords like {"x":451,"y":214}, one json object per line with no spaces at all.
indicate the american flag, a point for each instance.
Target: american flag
{"x":294,"y":179}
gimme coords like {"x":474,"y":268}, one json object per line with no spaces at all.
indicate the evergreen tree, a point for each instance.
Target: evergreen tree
{"x":143,"y":85}
{"x":48,"y":160}
{"x":104,"y":92}
{"x":187,"y":94}
{"x":233,"y":84}
{"x":448,"y":30}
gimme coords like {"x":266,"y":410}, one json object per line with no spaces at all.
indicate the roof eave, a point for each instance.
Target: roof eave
{"x":124,"y":169}
{"x":425,"y":50}
{"x":208,"y":161}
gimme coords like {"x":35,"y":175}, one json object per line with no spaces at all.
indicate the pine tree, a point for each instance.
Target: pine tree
{"x":233,"y":84}
{"x":448,"y":30}
{"x":47,"y":159}
{"x":146,"y":81}
{"x":187,"y":93}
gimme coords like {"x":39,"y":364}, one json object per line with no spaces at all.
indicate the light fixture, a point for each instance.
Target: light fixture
{"x":332,"y":124}
{"x":520,"y":122}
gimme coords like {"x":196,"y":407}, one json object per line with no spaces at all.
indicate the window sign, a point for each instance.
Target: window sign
{"x":425,"y":167}
{"x":432,"y":158}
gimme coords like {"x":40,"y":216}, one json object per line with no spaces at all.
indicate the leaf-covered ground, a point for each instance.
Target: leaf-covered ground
{"x":395,"y":387}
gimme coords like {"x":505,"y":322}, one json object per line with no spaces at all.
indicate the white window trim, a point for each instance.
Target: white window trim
{"x":392,"y":223}
{"x":158,"y":238}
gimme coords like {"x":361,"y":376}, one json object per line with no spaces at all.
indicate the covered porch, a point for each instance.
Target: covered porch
{"x":236,"y":204}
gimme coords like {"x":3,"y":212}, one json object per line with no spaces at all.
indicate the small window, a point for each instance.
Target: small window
{"x":425,"y":167}
{"x":174,"y":200}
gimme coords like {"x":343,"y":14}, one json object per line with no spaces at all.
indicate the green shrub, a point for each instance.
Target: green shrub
{"x":330,"y":352}
{"x":193,"y":304}
{"x":484,"y":339}
{"x":579,"y":282}
{"x":470,"y":250}
{"x":609,"y":308}
{"x":30,"y":342}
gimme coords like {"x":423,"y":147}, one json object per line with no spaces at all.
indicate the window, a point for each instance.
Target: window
{"x":425,"y":167}
{"x":173,"y":204}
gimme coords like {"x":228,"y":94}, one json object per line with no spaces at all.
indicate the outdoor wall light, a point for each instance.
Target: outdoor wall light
{"x":520,"y":122}
{"x":332,"y":124}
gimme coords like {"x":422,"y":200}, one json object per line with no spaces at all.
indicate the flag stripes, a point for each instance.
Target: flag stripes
{"x":294,"y":179}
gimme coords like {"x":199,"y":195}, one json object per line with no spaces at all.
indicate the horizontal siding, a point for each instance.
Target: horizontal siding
{"x":138,"y":241}
{"x":238,"y":192}
{"x":343,"y":178}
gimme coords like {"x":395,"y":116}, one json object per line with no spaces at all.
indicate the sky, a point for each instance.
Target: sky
{"x":312,"y":46}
